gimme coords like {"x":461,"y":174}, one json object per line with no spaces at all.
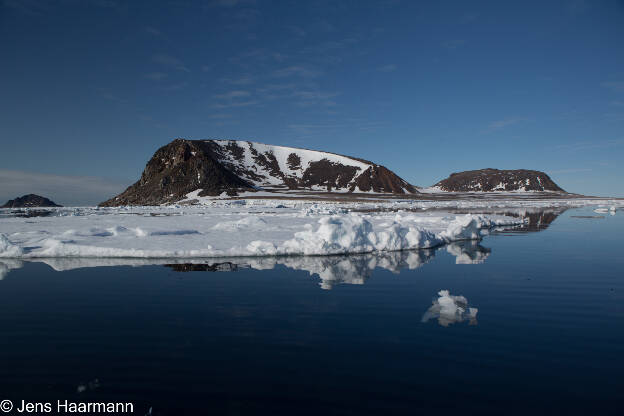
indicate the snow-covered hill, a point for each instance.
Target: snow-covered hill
{"x":197,"y":168}
{"x":495,"y":180}
{"x":269,"y":166}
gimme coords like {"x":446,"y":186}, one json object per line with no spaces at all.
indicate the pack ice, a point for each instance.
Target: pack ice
{"x":232,"y":229}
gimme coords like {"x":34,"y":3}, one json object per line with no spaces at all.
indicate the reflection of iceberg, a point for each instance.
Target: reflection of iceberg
{"x":468,"y":252}
{"x":449,"y":309}
{"x":332,"y":270}
{"x":355,"y":269}
{"x":535,"y":219}
{"x":603,"y":210}
{"x":6,"y":265}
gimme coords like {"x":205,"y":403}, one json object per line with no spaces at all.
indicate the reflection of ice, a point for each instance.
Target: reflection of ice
{"x":355,"y":269}
{"x":449,"y":309}
{"x":332,"y":270}
{"x":603,"y":210}
{"x":92,"y":385}
{"x":468,"y":252}
{"x":536,"y":219}
{"x":6,"y":265}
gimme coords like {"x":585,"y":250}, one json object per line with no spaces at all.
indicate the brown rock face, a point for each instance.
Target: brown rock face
{"x":176,"y":169}
{"x":30,"y":200}
{"x":489,"y":180}
{"x":382,"y":179}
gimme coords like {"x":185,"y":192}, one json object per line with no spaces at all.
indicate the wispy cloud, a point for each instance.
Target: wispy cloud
{"x":298,"y":31}
{"x":617,"y":86}
{"x":313,"y":128}
{"x":242,"y":80}
{"x":30,"y":7}
{"x":65,"y":190}
{"x":315,"y":95}
{"x":107,"y":95}
{"x":387,"y":68}
{"x":175,"y":87}
{"x":223,"y":3}
{"x":153,"y":31}
{"x":297,"y":70}
{"x":308,"y":98}
{"x":577,"y":6}
{"x":470,"y":17}
{"x":573,"y":170}
{"x":230,"y":95}
{"x":156,"y":75}
{"x":171,"y":61}
{"x":454,"y":44}
{"x":587,"y":145}
{"x":219,"y":116}
{"x":40,"y":7}
{"x":235,"y":104}
{"x":501,"y":124}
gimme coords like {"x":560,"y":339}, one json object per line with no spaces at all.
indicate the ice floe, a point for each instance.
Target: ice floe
{"x":226,"y":233}
{"x":264,"y":227}
{"x":449,"y":309}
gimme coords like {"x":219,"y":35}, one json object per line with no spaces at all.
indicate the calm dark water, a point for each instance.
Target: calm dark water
{"x":548,"y":337}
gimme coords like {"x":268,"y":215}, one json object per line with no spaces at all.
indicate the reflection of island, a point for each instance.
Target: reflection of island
{"x":226,"y":266}
{"x":537,"y":219}
{"x":352,"y":269}
{"x":449,"y":309}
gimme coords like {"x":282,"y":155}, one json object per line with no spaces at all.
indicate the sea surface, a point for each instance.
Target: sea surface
{"x":532,"y":323}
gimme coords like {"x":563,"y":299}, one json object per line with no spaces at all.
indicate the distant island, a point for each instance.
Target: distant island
{"x":188,"y":170}
{"x":30,"y":201}
{"x":491,"y":180}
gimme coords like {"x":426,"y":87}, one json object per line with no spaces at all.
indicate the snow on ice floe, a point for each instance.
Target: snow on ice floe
{"x":449,"y":309}
{"x":234,"y":231}
{"x":256,"y":227}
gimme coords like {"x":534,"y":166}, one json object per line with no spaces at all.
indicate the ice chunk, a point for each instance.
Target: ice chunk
{"x":449,"y":309}
{"x":8,"y":249}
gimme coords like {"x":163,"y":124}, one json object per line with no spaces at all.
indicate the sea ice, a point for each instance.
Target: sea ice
{"x":449,"y":309}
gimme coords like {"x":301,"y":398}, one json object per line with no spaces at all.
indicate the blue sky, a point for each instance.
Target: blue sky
{"x":93,"y":88}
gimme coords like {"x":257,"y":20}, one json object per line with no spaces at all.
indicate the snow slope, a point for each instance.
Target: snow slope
{"x":270,"y":166}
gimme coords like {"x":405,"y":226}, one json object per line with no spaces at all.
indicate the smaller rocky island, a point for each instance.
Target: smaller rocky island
{"x":493,"y":180}
{"x":30,"y":200}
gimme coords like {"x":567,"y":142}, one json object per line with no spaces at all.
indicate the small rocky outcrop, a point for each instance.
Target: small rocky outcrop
{"x":491,"y":180}
{"x":30,"y":200}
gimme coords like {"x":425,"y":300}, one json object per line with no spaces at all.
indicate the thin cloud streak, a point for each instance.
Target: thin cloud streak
{"x":617,"y":86}
{"x":574,"y":147}
{"x":171,"y":61}
{"x":501,"y":124}
{"x":387,"y":68}
{"x":230,"y":95}
{"x":564,"y":171}
{"x":297,"y":70}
